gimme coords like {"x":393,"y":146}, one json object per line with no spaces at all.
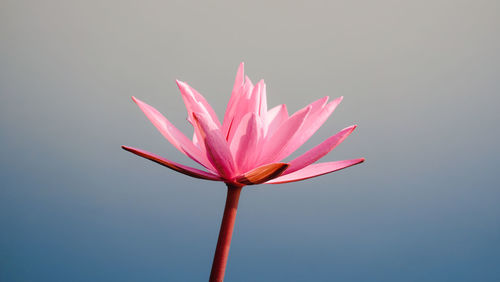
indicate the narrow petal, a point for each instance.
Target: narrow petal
{"x":276,"y":143}
{"x":262,"y":174}
{"x":172,"y":134}
{"x":263,"y":101}
{"x":193,"y":172}
{"x":235,"y":95}
{"x":245,"y":144}
{"x":275,"y":118}
{"x":254,"y":101}
{"x":319,"y":151}
{"x":242,"y":107}
{"x":319,"y":114}
{"x":218,"y":152}
{"x":315,"y":170}
{"x":240,"y":77}
{"x":257,"y":101}
{"x":247,"y":87}
{"x":195,"y":102}
{"x":227,"y":128}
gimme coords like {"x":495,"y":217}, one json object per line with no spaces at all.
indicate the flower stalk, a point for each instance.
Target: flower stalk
{"x":225,"y":233}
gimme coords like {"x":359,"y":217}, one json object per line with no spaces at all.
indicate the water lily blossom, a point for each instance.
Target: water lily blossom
{"x":248,"y":147}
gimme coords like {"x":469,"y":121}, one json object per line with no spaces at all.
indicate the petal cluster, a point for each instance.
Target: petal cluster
{"x":249,"y":145}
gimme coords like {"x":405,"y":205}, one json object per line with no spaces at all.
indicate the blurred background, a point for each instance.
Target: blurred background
{"x":420,"y":78}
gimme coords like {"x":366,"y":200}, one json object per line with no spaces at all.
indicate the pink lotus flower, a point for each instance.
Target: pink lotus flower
{"x":248,"y":147}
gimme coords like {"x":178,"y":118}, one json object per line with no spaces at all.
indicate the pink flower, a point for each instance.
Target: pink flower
{"x":250,"y":144}
{"x":248,"y":147}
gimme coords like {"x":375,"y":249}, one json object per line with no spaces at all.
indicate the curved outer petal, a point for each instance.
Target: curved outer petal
{"x":319,"y":114}
{"x":217,"y":149}
{"x":193,"y":172}
{"x":245,"y":144}
{"x":315,"y":170}
{"x":262,"y":174}
{"x":319,"y":151}
{"x":275,"y":144}
{"x":172,"y":134}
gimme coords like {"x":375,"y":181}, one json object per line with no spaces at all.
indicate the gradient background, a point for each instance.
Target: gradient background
{"x":421,"y":78}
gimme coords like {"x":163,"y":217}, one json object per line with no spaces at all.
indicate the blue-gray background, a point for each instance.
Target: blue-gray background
{"x":421,"y":78}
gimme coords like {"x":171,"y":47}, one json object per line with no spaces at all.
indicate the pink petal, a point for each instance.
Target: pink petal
{"x":195,"y":102}
{"x":241,"y":108}
{"x":315,"y":170}
{"x":319,"y":151}
{"x":172,"y":134}
{"x":247,"y":87}
{"x":254,"y":101}
{"x":240,"y":77}
{"x":196,"y":142}
{"x":276,"y":143}
{"x":245,"y":144}
{"x":275,"y":118}
{"x":173,"y":165}
{"x":217,"y":148}
{"x":235,"y":95}
{"x":262,"y":174}
{"x":257,"y":102}
{"x":263,"y":101}
{"x":319,"y":114}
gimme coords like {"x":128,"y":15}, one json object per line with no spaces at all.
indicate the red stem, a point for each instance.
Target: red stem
{"x":225,"y":233}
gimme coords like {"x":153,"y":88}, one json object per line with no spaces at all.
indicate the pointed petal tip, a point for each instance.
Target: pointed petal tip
{"x":139,"y":102}
{"x":183,"y":86}
{"x":333,"y":104}
{"x":336,"y":101}
{"x":180,"y":84}
{"x":130,"y":149}
{"x":357,"y":161}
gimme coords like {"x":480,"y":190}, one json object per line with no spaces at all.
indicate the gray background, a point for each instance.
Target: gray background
{"x":421,"y":78}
